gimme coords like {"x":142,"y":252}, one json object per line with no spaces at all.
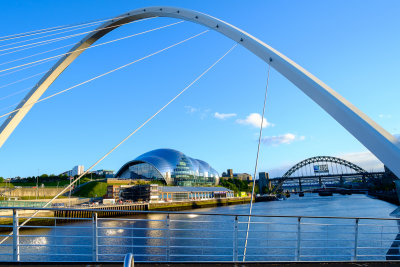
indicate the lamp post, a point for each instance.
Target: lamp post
{"x":37,"y":185}
{"x":70,"y":189}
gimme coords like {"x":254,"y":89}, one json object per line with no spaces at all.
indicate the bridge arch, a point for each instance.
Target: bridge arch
{"x":321,"y":159}
{"x":369,"y":133}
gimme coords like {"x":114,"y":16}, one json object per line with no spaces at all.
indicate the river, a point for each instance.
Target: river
{"x":204,"y":238}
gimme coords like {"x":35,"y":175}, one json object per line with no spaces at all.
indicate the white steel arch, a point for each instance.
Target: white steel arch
{"x":381,"y":143}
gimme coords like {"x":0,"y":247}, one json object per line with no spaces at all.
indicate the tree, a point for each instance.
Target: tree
{"x":1,"y":179}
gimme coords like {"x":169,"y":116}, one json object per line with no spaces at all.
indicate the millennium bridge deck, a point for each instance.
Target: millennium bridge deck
{"x":178,"y":238}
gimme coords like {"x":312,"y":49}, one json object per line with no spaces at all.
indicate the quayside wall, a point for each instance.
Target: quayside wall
{"x":33,"y":192}
{"x":105,"y":211}
{"x":119,"y":210}
{"x":164,"y":206}
{"x":187,"y":205}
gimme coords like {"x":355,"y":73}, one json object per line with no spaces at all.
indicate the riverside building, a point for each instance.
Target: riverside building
{"x":171,"y":167}
{"x":156,"y":193}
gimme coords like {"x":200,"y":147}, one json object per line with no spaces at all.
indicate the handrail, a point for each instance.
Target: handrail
{"x":170,"y":238}
{"x":199,"y":213}
{"x":128,"y":260}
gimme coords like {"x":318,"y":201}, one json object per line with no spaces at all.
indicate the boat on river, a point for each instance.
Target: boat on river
{"x":325,"y":193}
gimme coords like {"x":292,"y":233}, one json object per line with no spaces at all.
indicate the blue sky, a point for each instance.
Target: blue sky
{"x":352,"y":46}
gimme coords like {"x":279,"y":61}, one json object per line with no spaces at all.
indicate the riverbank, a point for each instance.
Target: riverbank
{"x":390,"y":197}
{"x":8,"y":220}
{"x":119,"y":210}
{"x":188,"y":205}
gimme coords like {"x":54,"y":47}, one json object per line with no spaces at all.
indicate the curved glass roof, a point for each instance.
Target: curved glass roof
{"x":169,"y":162}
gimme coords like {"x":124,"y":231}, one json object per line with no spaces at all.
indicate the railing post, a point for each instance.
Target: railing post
{"x":235,"y":242}
{"x":168,"y":236}
{"x":15,"y":236}
{"x":298,"y":246}
{"x":355,"y":240}
{"x":129,"y":260}
{"x":95,"y":247}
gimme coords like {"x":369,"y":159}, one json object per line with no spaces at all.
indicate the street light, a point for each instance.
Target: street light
{"x":70,"y":189}
{"x":37,"y":185}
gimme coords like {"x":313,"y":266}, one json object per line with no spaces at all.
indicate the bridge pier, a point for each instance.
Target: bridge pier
{"x":341,"y":181}
{"x":320,"y":181}
{"x":364,"y":180}
{"x":300,"y":186}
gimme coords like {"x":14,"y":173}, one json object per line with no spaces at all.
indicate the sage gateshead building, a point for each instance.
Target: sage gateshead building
{"x":171,"y":166}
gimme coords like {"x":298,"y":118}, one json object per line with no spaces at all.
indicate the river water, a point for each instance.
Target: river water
{"x":206,"y":238}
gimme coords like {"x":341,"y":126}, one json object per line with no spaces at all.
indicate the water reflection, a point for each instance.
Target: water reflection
{"x":194,"y":237}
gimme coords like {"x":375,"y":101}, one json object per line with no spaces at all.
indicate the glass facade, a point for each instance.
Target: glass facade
{"x":158,"y":193}
{"x":172,"y":166}
{"x":144,"y":171}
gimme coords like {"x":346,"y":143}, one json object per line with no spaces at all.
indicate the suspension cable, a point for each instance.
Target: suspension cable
{"x":256,"y":165}
{"x":51,"y":58}
{"x":104,"y":74}
{"x":40,"y":53}
{"x":23,"y":79}
{"x":28,"y":67}
{"x":10,"y":106}
{"x":123,"y":141}
{"x":50,"y":41}
{"x":53,"y":34}
{"x":93,"y":46}
{"x":15,"y":93}
{"x":52,"y":29}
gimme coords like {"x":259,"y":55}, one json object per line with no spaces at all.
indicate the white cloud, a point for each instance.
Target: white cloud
{"x":223,"y":116}
{"x":201,"y":112}
{"x":279,"y":171}
{"x":254,"y":119}
{"x":281,"y":139}
{"x":385,"y":116}
{"x":191,"y":109}
{"x":365,"y":160}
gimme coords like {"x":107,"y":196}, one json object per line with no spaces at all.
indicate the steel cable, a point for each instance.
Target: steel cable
{"x":93,"y":46}
{"x":45,"y":36}
{"x":51,"y":29}
{"x":28,"y":67}
{"x":50,"y":41}
{"x":256,"y":165}
{"x":23,"y":79}
{"x":104,"y":74}
{"x":123,"y":141}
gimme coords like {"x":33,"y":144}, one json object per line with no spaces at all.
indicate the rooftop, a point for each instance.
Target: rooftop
{"x":193,"y":189}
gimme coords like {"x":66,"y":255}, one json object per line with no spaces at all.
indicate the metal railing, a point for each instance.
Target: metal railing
{"x":184,"y":236}
{"x":30,"y":204}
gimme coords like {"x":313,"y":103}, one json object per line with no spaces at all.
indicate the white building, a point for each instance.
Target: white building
{"x":77,"y":170}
